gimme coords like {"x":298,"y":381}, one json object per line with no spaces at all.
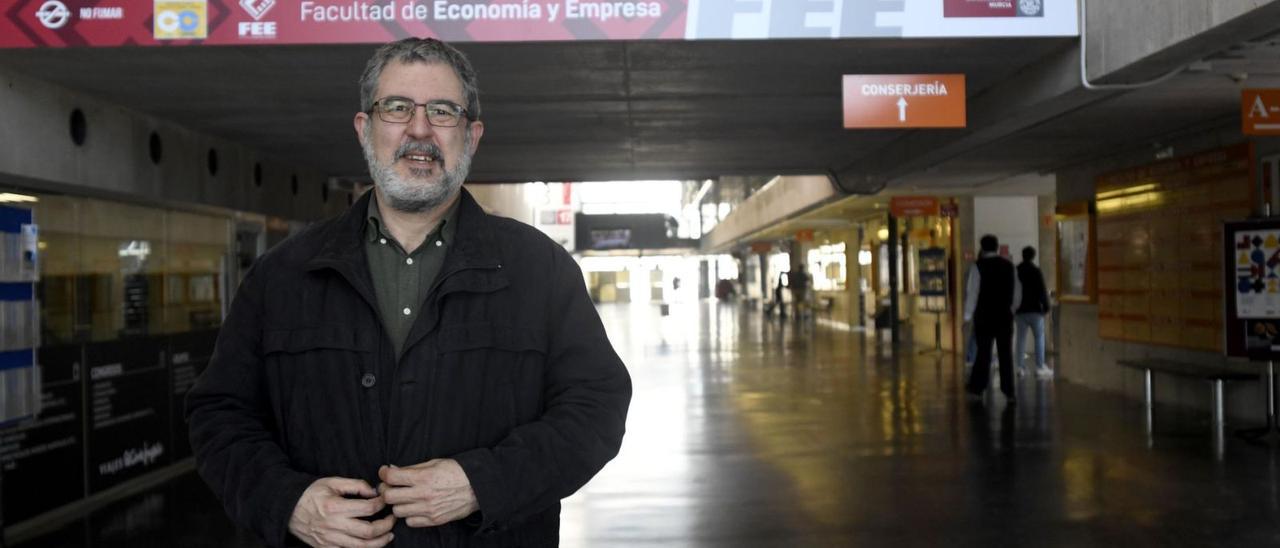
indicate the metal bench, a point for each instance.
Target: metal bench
{"x":1216,"y":374}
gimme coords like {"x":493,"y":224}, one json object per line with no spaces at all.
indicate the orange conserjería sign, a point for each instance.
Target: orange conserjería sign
{"x":904,"y":100}
{"x":1260,"y":111}
{"x":913,"y":206}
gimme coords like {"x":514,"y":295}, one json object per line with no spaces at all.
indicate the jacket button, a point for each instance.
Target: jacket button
{"x":368,"y":380}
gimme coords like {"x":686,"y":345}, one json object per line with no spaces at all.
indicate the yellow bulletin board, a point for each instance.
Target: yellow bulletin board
{"x":1159,"y":232}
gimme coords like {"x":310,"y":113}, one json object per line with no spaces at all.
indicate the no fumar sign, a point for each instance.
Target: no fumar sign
{"x":904,"y":101}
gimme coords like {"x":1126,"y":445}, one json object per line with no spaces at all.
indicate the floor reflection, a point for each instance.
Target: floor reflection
{"x":750,"y":432}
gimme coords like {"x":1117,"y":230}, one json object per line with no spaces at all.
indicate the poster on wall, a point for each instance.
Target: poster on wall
{"x":933,"y":272}
{"x":1251,"y":288}
{"x":1257,"y":273}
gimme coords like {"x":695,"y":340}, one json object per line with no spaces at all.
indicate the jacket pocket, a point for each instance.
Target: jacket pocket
{"x":335,"y":337}
{"x":458,"y":338}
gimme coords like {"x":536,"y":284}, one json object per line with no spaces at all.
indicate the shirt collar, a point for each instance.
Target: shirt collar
{"x":375,"y":228}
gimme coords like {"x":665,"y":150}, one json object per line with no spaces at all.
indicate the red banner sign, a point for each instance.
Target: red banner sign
{"x":913,"y":206}
{"x":61,"y":23}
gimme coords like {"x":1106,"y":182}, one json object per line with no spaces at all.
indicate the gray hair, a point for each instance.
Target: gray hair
{"x":420,"y":50}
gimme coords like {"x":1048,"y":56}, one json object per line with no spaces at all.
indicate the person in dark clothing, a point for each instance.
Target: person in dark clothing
{"x":991,"y":295}
{"x":799,"y":291}
{"x":415,"y":343}
{"x":1030,"y":315}
{"x":778,"y":303}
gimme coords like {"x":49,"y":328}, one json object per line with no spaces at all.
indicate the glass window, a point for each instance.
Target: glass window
{"x":827,"y":266}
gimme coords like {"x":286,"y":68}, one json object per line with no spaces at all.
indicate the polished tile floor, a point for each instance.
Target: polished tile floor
{"x":745,"y":432}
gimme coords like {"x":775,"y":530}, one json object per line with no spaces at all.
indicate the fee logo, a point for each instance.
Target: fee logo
{"x":257,"y":8}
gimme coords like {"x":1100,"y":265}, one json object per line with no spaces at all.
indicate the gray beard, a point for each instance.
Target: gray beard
{"x":410,"y":196}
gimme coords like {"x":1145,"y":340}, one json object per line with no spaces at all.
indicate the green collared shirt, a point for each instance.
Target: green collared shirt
{"x":401,"y":279}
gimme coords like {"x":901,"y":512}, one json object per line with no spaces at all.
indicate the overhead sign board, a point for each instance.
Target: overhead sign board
{"x":993,"y":8}
{"x":1260,"y":111}
{"x":913,"y":206}
{"x":78,"y":23}
{"x":904,"y":101}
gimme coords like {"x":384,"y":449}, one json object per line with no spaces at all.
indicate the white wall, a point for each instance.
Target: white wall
{"x":1012,"y":219}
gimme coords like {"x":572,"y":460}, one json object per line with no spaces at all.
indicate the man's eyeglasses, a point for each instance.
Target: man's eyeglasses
{"x":399,"y":110}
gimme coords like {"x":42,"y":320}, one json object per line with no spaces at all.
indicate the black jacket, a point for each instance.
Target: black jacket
{"x":1035,"y":296}
{"x":507,"y":370}
{"x":995,"y":293}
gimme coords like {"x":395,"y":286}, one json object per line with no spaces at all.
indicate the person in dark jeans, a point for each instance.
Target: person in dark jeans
{"x":1030,"y":315}
{"x":991,"y":295}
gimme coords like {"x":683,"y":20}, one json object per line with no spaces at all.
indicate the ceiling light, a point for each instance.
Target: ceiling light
{"x":15,"y":198}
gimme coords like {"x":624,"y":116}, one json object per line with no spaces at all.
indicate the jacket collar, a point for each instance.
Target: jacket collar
{"x":475,"y":235}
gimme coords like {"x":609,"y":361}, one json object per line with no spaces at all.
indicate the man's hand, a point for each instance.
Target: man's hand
{"x":324,"y":517}
{"x":433,"y":493}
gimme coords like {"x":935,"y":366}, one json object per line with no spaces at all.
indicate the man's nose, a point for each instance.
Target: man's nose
{"x":419,"y":127}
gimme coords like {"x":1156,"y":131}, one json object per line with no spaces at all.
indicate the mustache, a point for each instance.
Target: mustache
{"x":429,"y":150}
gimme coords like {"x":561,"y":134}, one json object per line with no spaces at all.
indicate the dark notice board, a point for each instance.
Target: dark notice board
{"x":43,"y":460}
{"x":189,"y":354}
{"x":127,"y":390}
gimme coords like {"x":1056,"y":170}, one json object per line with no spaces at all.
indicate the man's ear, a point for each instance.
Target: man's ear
{"x":476,"y":131}
{"x":361,"y":123}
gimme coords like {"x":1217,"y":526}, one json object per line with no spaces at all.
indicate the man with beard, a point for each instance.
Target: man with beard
{"x":450,"y":358}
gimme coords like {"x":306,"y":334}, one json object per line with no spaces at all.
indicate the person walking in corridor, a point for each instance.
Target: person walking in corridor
{"x":451,"y":358}
{"x":1030,"y":316}
{"x":991,"y":295}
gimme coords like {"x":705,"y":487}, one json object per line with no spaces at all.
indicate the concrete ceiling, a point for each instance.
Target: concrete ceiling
{"x":689,"y":110}
{"x":553,"y":111}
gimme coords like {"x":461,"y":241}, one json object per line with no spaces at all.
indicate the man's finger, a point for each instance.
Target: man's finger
{"x":421,"y":521}
{"x":384,"y":525}
{"x":347,"y":486}
{"x":396,"y":477}
{"x":399,"y":495}
{"x":409,"y":510}
{"x":348,"y":541}
{"x":364,"y":530}
{"x":355,"y":507}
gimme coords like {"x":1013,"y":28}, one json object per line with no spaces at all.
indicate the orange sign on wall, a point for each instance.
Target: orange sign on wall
{"x":1260,"y":111}
{"x":904,"y":100}
{"x":913,"y":206}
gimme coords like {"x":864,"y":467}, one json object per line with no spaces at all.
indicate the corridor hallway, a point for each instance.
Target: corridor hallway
{"x":745,"y":432}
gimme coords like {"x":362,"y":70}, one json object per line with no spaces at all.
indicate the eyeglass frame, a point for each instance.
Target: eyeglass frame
{"x":462,"y":111}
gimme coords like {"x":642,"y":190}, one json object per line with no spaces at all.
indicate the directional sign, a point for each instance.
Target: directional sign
{"x":904,"y":100}
{"x":1260,"y":111}
{"x":913,"y":206}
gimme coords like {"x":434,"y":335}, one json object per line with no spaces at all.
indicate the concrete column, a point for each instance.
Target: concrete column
{"x":893,"y":279}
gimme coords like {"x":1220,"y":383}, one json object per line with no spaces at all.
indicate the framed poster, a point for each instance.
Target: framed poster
{"x":1251,"y":282}
{"x":1077,"y":253}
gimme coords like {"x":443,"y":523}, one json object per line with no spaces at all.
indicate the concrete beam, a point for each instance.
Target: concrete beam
{"x":1136,"y":40}
{"x":780,"y":199}
{"x":114,"y":162}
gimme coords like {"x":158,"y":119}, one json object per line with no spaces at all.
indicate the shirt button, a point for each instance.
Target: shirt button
{"x":439,"y":243}
{"x":407,"y":311}
{"x":368,"y":380}
{"x":382,"y":240}
{"x":408,"y":261}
